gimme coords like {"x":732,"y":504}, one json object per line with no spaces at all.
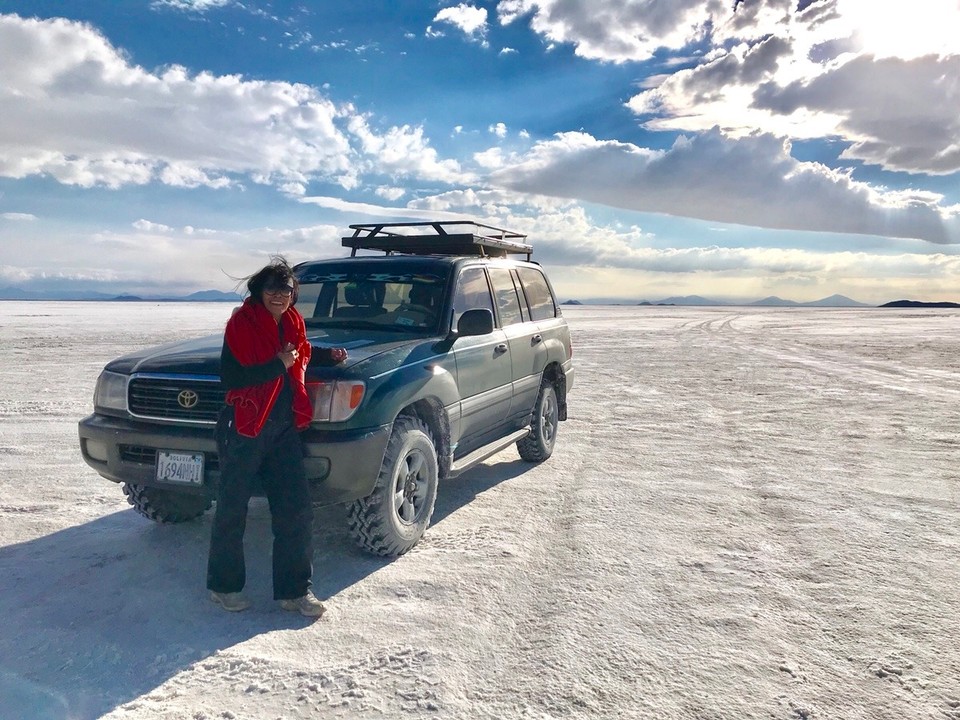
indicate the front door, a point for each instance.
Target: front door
{"x":484,"y":373}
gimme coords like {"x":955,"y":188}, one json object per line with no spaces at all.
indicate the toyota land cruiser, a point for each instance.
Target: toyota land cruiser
{"x":455,"y":349}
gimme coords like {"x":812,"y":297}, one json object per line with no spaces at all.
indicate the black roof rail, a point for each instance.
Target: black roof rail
{"x":444,"y":237}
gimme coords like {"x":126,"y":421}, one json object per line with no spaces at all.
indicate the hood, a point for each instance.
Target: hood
{"x":201,"y":356}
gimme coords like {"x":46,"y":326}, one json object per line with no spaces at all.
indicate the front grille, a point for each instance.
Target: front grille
{"x":148,"y":456}
{"x":185,"y":399}
{"x":138,"y":454}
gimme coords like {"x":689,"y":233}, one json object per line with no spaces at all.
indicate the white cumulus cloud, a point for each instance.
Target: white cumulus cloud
{"x":76,"y":110}
{"x":470,"y":20}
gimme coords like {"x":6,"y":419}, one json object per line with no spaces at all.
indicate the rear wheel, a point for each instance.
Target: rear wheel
{"x":393,"y":518}
{"x":538,"y":445}
{"x":165,"y":506}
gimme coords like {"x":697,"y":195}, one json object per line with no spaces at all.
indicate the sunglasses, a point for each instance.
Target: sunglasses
{"x":284,"y":290}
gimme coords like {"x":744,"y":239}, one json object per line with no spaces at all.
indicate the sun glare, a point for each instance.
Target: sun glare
{"x":904,"y":29}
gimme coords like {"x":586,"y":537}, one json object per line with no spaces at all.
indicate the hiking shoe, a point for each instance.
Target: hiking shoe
{"x":307,"y":605}
{"x":231,"y":602}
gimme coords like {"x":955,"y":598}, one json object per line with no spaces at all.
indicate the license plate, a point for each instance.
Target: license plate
{"x":184,"y":468}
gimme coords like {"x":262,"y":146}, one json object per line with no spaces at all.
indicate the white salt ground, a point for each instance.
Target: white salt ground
{"x":751,"y":513}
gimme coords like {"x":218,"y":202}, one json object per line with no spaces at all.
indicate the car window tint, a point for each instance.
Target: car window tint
{"x":472,"y":292}
{"x":539,"y":297}
{"x":405,"y":296}
{"x":506,"y":295}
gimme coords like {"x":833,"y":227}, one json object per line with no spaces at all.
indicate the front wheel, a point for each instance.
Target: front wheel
{"x":165,"y":506}
{"x":538,"y":445}
{"x":393,"y":518}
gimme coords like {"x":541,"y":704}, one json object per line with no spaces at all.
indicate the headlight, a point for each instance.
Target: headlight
{"x":335,"y":401}
{"x":111,"y":392}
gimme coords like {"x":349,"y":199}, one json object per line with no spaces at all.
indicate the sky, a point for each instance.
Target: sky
{"x":648,"y":148}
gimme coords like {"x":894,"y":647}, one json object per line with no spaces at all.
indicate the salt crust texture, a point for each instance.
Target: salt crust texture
{"x":751,"y":513}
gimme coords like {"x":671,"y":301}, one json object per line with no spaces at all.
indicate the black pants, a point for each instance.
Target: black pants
{"x":276,"y":457}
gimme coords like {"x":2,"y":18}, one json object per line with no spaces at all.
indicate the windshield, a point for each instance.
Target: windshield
{"x":402,"y":297}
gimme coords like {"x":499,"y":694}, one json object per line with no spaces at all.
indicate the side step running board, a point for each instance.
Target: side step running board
{"x":481,"y":454}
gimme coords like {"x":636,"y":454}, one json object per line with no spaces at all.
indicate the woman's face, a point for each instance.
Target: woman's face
{"x":277,"y":298}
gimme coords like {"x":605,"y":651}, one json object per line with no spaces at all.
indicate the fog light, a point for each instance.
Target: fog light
{"x":97,"y":450}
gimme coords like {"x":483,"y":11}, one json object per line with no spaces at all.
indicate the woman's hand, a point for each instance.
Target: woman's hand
{"x":288,"y":355}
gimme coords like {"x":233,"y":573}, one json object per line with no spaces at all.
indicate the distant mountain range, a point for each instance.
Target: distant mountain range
{"x":836,"y":301}
{"x":917,"y":303}
{"x":14,"y":293}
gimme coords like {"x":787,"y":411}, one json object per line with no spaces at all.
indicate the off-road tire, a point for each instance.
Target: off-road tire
{"x":538,"y":445}
{"x":165,"y":506}
{"x":393,"y":518}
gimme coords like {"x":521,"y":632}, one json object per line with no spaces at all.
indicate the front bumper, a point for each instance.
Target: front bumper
{"x":341,"y":465}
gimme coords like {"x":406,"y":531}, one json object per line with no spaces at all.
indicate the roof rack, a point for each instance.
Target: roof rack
{"x":458,"y":237}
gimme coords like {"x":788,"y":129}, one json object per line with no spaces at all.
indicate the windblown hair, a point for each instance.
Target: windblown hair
{"x":278,"y":272}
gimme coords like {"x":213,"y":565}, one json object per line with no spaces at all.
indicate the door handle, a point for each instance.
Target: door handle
{"x":500,"y":349}
{"x":536,"y":339}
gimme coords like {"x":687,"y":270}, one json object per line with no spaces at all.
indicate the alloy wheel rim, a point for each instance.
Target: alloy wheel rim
{"x":548,"y":419}
{"x":410,"y":487}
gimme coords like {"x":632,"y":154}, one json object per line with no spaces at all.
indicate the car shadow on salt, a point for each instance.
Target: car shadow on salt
{"x":99,"y":614}
{"x":338,"y":563}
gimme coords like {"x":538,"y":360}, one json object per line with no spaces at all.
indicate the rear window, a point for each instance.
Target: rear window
{"x":539,"y":298}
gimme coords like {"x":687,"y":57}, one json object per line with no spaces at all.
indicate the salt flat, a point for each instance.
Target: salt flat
{"x":751,"y":513}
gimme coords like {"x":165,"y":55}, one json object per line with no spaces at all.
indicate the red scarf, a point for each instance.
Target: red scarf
{"x":253,"y":338}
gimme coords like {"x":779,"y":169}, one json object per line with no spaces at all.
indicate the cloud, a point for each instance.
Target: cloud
{"x":467,"y":203}
{"x":191,"y":5}
{"x":489,"y":159}
{"x":205,"y":258}
{"x":358,"y":208}
{"x":844,"y":69}
{"x":403,"y":151}
{"x":617,"y":30}
{"x":76,"y":110}
{"x":147,"y":226}
{"x":18,"y":217}
{"x":563,"y":235}
{"x":504,"y":206}
{"x":749,"y":181}
{"x":470,"y":20}
{"x":499,"y":129}
{"x":898,"y":114}
{"x":390,"y":193}
{"x":878,"y":76}
{"x":744,"y":274}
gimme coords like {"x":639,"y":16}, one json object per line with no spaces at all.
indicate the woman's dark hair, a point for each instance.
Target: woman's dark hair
{"x":277,"y":274}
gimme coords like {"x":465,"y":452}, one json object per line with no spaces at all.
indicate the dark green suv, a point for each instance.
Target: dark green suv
{"x":455,"y":349}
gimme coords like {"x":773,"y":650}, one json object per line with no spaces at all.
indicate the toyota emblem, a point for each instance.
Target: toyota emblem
{"x":188,"y":399}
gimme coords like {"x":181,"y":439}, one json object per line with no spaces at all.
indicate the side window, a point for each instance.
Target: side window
{"x":539,"y":297}
{"x":472,"y":292}
{"x":506,"y":295}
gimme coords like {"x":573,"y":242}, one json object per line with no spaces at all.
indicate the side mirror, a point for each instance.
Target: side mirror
{"x":478,"y":321}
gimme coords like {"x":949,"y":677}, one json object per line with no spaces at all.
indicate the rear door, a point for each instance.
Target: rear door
{"x":551,"y":334}
{"x":527,"y":353}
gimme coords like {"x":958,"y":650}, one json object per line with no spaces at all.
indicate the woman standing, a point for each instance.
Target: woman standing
{"x":263,"y":362}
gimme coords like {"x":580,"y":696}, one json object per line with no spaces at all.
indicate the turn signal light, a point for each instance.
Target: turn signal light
{"x":336,"y":400}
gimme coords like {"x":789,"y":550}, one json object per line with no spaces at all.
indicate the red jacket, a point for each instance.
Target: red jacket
{"x":253,"y":338}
